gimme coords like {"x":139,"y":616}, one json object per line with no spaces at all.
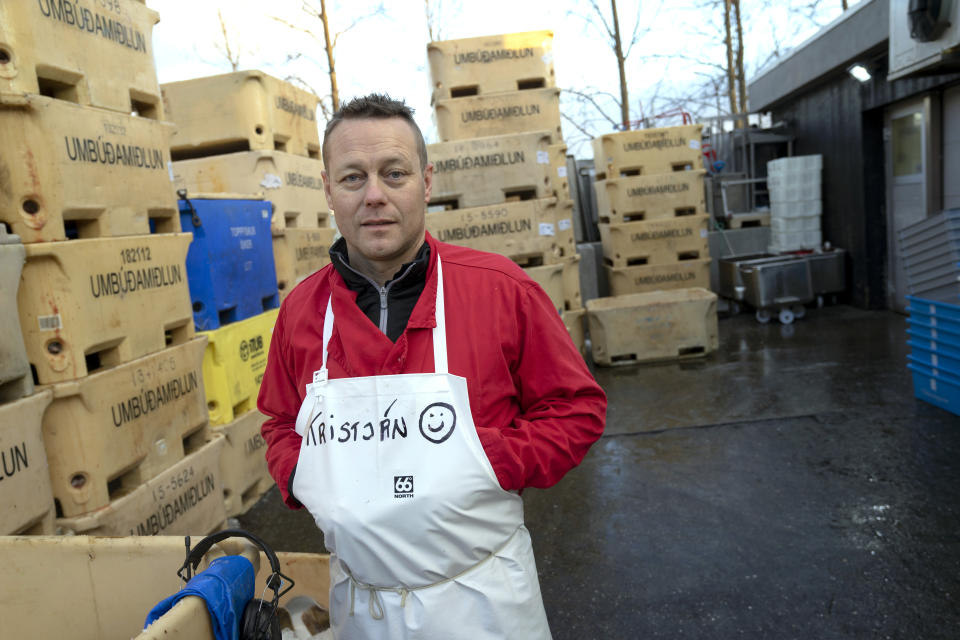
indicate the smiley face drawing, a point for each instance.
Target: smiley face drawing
{"x":437,"y":422}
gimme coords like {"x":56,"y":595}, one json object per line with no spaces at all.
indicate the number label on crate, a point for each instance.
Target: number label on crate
{"x":135,"y":254}
{"x":171,"y":485}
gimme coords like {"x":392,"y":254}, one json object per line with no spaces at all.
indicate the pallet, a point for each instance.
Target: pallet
{"x":747,"y":220}
{"x":647,"y":151}
{"x":186,"y":499}
{"x":572,"y":300}
{"x":650,"y":327}
{"x":655,"y":197}
{"x":79,"y":172}
{"x":241,"y":111}
{"x":87,"y":304}
{"x":233,"y":366}
{"x":108,"y":433}
{"x":26,"y":500}
{"x":15,"y":378}
{"x":529,"y":232}
{"x":499,"y":114}
{"x":491,"y":64}
{"x":243,"y":466}
{"x":496,"y":169}
{"x":230,"y":263}
{"x":292,"y":183}
{"x":299,"y":253}
{"x":658,"y":277}
{"x":58,"y":49}
{"x":655,"y":242}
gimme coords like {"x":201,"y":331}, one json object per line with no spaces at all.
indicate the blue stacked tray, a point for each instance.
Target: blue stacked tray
{"x":230,"y":265}
{"x":934,"y":360}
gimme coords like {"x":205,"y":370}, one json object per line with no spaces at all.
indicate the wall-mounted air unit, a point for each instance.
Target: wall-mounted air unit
{"x":924,"y":37}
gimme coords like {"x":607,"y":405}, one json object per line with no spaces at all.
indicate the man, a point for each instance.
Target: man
{"x":414,"y":388}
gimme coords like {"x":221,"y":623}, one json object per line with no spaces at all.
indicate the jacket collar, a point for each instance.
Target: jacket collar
{"x":424,"y":313}
{"x":408,"y":275}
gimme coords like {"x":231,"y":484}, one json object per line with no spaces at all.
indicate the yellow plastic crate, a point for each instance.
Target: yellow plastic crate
{"x":233,"y":365}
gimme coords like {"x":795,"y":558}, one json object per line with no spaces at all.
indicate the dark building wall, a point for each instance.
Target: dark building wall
{"x":828,"y":120}
{"x":843,"y":120}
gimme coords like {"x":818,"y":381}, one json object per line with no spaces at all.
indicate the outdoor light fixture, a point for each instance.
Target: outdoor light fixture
{"x":859,"y":72}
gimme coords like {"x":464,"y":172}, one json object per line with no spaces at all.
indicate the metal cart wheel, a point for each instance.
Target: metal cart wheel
{"x":785,"y":316}
{"x":763,"y":316}
{"x":799,"y":311}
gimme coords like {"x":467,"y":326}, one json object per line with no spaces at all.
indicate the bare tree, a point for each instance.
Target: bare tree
{"x":432,"y":18}
{"x":233,"y":57}
{"x":731,"y":70}
{"x":436,"y":11}
{"x":587,"y":107}
{"x":318,"y":9}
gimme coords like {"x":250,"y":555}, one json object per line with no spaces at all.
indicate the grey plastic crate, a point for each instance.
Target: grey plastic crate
{"x":930,"y":250}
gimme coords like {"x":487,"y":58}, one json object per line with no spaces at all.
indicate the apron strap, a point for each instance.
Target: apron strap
{"x":327,"y":332}
{"x":439,"y":332}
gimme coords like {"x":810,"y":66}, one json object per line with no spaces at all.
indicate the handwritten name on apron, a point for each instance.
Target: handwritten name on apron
{"x":436,"y":423}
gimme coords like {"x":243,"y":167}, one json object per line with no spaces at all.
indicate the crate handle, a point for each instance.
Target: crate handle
{"x":182,"y":194}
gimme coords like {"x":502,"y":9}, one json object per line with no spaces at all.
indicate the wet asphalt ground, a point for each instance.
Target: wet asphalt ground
{"x":787,"y":486}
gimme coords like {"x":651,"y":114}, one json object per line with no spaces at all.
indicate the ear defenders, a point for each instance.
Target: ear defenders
{"x":259,"y":620}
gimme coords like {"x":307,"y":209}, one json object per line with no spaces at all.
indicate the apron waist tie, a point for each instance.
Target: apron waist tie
{"x":376,"y":603}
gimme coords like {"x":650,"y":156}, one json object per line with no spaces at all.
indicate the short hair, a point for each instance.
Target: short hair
{"x":376,"y":105}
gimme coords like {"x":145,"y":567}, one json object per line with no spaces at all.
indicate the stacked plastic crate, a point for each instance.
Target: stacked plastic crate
{"x":103,"y":303}
{"x":795,"y":203}
{"x":233,"y":291}
{"x":500,"y":176}
{"x":252,"y":139}
{"x":249,"y":133}
{"x":934,"y":360}
{"x":653,"y":228}
{"x":930,"y":252}
{"x":26,"y":499}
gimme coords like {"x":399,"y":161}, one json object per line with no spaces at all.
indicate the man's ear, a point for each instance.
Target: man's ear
{"x":427,"y":181}
{"x":326,"y":188}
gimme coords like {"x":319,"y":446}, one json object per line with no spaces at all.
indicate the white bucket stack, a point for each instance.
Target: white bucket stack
{"x":795,"y":203}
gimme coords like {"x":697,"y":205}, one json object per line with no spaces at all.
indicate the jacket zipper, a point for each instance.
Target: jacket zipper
{"x":383,"y":291}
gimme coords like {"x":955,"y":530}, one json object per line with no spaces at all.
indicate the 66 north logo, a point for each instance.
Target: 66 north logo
{"x":402,"y":486}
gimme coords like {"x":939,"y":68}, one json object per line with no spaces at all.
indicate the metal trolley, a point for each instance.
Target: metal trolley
{"x":782,"y":285}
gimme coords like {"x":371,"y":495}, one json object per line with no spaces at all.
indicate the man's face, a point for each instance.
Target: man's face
{"x":377,"y":190}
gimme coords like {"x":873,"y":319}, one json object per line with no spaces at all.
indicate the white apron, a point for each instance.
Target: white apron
{"x":424,"y":542}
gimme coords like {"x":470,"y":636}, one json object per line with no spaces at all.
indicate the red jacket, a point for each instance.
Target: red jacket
{"x":536,"y":407}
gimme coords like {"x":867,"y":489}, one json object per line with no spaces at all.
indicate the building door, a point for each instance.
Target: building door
{"x":951,"y":148}
{"x":907,"y":144}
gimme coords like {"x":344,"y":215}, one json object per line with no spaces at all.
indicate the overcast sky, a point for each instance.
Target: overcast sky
{"x":387,"y":53}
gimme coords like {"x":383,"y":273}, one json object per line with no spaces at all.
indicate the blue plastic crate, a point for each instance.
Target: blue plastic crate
{"x":934,"y":340}
{"x":935,"y":354}
{"x":939,"y":390}
{"x":938,"y":314}
{"x":230,"y":266}
{"x":922,"y":328}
